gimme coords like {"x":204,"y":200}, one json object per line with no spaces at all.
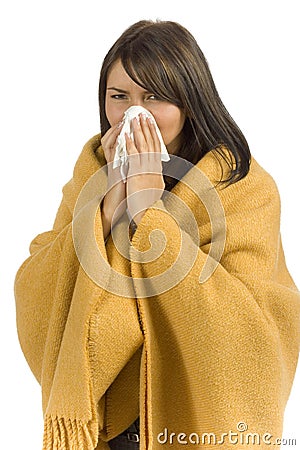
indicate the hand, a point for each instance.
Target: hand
{"x":116,"y":188}
{"x":145,"y":168}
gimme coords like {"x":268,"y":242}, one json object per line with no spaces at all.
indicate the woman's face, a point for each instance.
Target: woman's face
{"x":122,"y":92}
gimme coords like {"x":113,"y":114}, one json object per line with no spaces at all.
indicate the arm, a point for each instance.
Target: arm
{"x":37,"y":282}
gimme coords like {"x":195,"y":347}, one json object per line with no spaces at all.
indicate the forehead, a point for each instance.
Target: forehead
{"x":118,"y":77}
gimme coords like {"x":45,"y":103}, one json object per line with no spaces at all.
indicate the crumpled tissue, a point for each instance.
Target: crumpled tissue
{"x":121,"y":155}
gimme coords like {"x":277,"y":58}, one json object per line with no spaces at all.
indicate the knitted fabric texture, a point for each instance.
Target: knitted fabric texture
{"x":196,"y":356}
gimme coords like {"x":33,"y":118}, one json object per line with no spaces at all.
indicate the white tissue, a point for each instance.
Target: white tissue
{"x":121,"y":155}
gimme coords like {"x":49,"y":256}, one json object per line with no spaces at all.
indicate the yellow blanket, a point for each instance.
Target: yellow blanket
{"x":193,"y":325}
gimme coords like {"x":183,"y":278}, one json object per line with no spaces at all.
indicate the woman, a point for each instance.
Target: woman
{"x":186,"y":333}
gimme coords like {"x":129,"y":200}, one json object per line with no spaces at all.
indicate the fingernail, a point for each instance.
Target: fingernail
{"x":120,"y":124}
{"x":151,"y":120}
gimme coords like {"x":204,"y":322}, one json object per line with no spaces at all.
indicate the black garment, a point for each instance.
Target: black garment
{"x":129,"y":439}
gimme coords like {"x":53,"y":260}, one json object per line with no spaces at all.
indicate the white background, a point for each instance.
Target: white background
{"x":51,"y":53}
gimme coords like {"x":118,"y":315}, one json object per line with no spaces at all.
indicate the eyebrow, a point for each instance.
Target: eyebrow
{"x":112,"y":88}
{"x":117,"y":89}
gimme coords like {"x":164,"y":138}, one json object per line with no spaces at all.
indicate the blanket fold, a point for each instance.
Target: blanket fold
{"x":193,"y":325}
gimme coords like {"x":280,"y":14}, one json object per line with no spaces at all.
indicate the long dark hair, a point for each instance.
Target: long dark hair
{"x":164,"y":58}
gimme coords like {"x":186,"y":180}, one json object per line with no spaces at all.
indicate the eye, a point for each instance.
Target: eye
{"x":153,"y":97}
{"x":118,"y":96}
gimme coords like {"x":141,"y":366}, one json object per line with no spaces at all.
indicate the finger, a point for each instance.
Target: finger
{"x":133,"y":157}
{"x":110,"y":137}
{"x":111,"y":131}
{"x":130,"y":145}
{"x":156,"y":145}
{"x":145,"y":144}
{"x":147,"y":133}
{"x":109,"y":141}
{"x":138,"y":135}
{"x":154,"y":135}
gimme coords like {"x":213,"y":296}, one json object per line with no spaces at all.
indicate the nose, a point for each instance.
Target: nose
{"x":137,"y":102}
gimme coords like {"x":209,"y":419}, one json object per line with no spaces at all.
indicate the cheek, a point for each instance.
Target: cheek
{"x":114,"y":113}
{"x":170,"y":122}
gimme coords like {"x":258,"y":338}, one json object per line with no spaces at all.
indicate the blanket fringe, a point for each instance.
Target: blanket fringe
{"x":69,"y":434}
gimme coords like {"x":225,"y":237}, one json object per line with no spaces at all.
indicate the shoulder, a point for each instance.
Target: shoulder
{"x":91,"y":153}
{"x":256,"y":188}
{"x":90,"y":159}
